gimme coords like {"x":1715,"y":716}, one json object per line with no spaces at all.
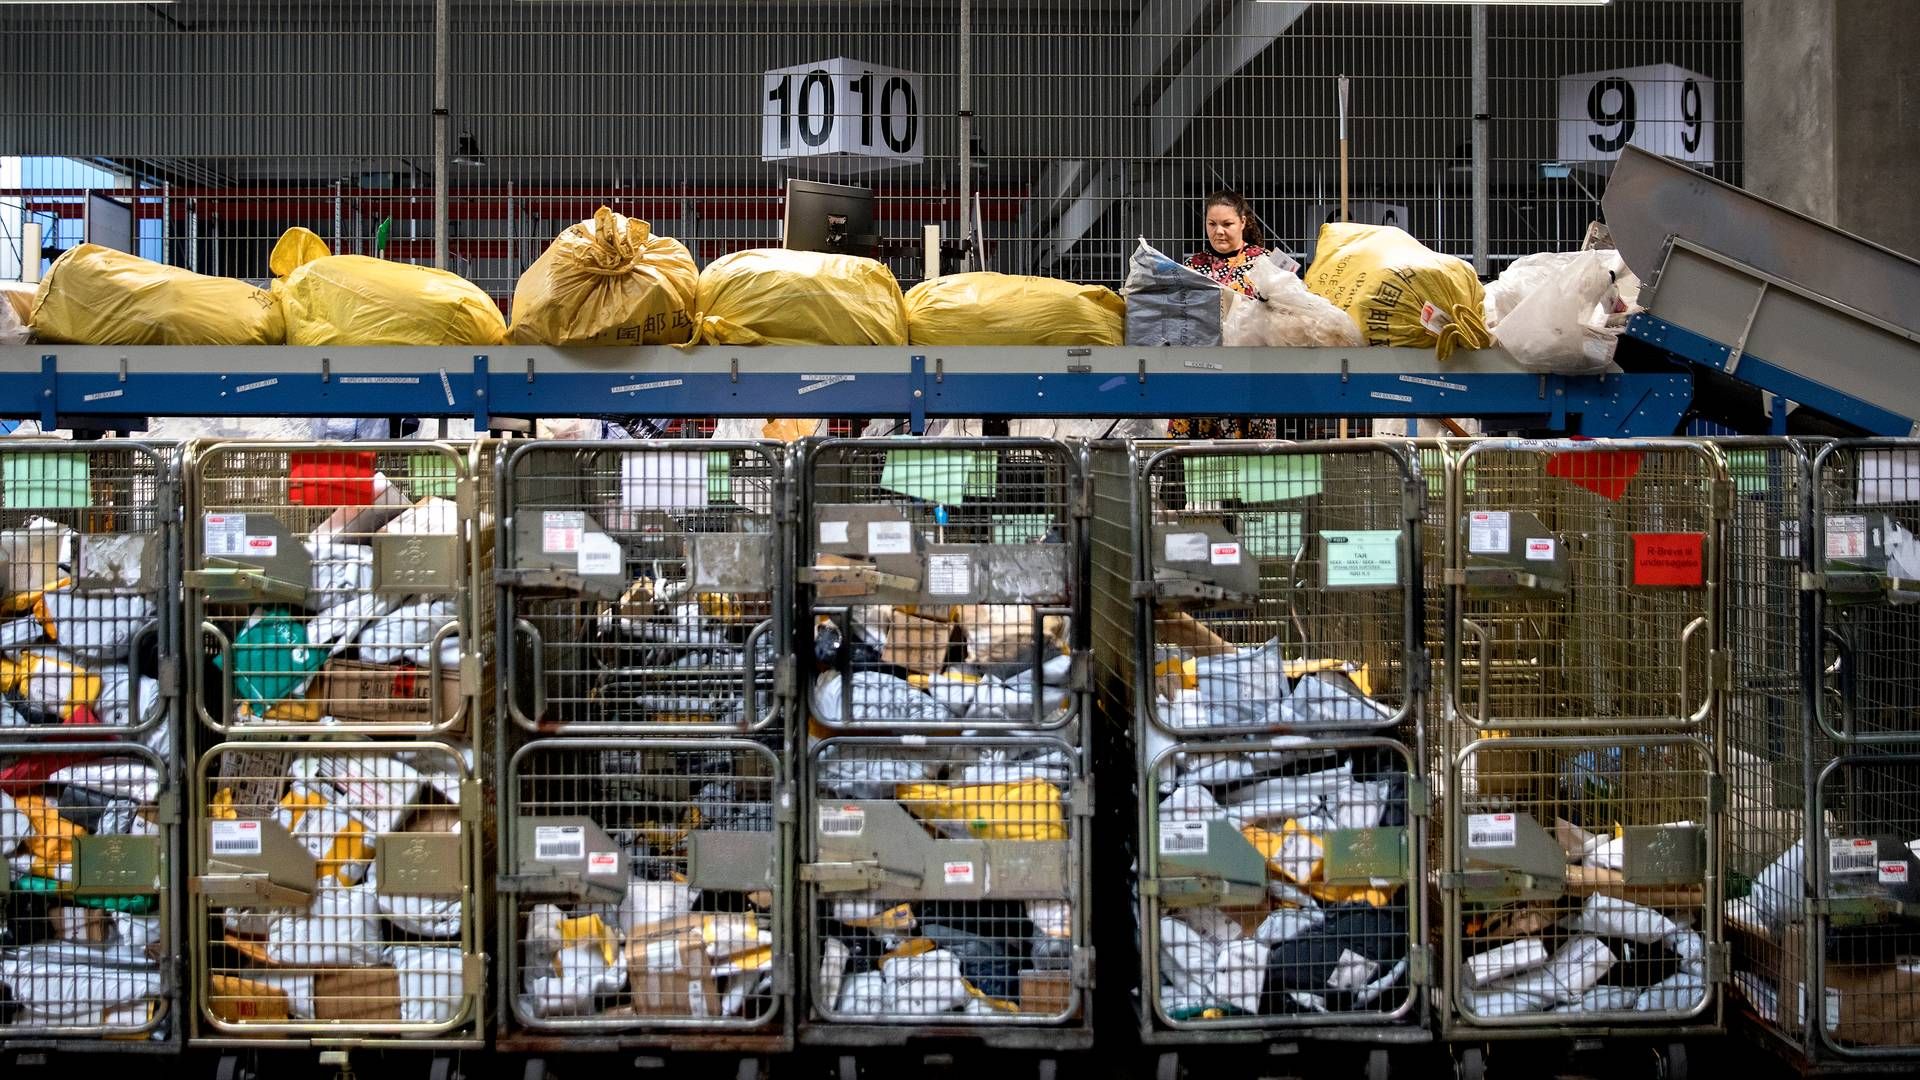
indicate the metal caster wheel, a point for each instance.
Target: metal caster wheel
{"x":229,"y":1068}
{"x":1168,"y":1067}
{"x":1671,"y":1063}
{"x":1471,"y":1064}
{"x":441,"y":1068}
{"x":1379,"y":1065}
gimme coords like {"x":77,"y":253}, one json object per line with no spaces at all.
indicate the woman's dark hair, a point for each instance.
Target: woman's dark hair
{"x":1234,"y":201}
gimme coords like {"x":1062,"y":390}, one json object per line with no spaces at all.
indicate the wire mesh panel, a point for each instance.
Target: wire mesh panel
{"x":1865,"y":994}
{"x":86,"y":914}
{"x":1584,"y":584}
{"x":946,"y":583}
{"x":1582,"y":883}
{"x":336,"y":891}
{"x":1283,"y":585}
{"x":1281,"y":883}
{"x":648,"y":885}
{"x":646,"y":585}
{"x":944,"y":880}
{"x":1866,"y":508}
{"x":331,"y":586}
{"x":86,"y":576}
{"x":1768,"y":736}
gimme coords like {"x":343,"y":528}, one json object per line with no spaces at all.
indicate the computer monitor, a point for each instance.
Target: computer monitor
{"x":835,"y":218}
{"x":109,"y":222}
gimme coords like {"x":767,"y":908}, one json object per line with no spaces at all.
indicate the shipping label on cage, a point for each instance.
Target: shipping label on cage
{"x":1225,"y":554}
{"x":957,"y":873}
{"x":1492,"y":831}
{"x":889,"y":538}
{"x":1894,"y":873}
{"x":1540,"y":548}
{"x":1489,"y":532}
{"x":1187,"y":547}
{"x":560,"y":531}
{"x":833,"y":532}
{"x":842,"y":821}
{"x":235,"y":837}
{"x":1847,"y":536}
{"x":599,"y":554}
{"x":1362,"y":558}
{"x":261,"y":547}
{"x":1183,"y":838}
{"x":1852,"y":856}
{"x":603,"y":862}
{"x":949,"y":575}
{"x":226,"y":534}
{"x":1669,"y":560}
{"x":559,"y":843}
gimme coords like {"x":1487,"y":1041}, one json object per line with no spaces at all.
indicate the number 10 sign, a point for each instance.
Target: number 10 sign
{"x":1661,"y":108}
{"x":866,"y":115}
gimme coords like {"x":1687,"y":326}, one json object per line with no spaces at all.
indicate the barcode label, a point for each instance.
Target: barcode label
{"x":1183,"y":838}
{"x":236,"y":837}
{"x":843,"y":821}
{"x":559,"y":843}
{"x":226,"y":534}
{"x":1492,"y":831}
{"x":1852,"y":856}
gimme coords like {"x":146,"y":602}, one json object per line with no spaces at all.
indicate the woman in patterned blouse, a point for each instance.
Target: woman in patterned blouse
{"x":1233,"y":242}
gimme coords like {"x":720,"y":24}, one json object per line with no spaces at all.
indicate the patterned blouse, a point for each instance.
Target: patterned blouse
{"x":1228,"y":270}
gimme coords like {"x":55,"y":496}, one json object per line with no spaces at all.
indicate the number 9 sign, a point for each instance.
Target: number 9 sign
{"x":1662,"y":108}
{"x":868,"y":117}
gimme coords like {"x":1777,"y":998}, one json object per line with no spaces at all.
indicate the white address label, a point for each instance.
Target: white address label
{"x":226,"y":534}
{"x":236,"y":837}
{"x":1492,"y":831}
{"x":958,"y":873}
{"x":842,"y":821}
{"x":1489,"y":532}
{"x":949,"y":575}
{"x":559,"y":843}
{"x":1183,"y":838}
{"x":889,"y":538}
{"x":1852,"y":856}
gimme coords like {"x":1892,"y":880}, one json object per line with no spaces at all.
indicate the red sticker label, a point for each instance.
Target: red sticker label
{"x":1670,"y":560}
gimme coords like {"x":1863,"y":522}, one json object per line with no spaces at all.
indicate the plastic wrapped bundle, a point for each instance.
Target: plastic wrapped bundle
{"x":1004,"y":309}
{"x":771,"y":296}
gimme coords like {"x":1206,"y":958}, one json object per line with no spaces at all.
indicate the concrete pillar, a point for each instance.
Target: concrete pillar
{"x":1832,"y":112}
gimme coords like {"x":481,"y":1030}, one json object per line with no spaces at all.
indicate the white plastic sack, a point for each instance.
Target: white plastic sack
{"x":1509,"y":959}
{"x":584,"y":974}
{"x":1570,"y":973}
{"x":1285,"y":797}
{"x":296,"y":985}
{"x":859,"y":777}
{"x":1187,"y":958}
{"x":1190,"y":803}
{"x":924,"y":984}
{"x":1560,"y":321}
{"x":866,"y":993}
{"x":14,"y":826}
{"x":1608,"y":916}
{"x":115,"y":705}
{"x":1605,"y":999}
{"x":379,"y":791}
{"x":430,"y":982}
{"x":66,"y":983}
{"x":1329,"y":700}
{"x":1240,"y":975}
{"x":1488,"y":1004}
{"x":1780,"y":892}
{"x":340,"y":928}
{"x":1218,"y":768}
{"x":118,"y":778}
{"x":1285,"y":924}
{"x":1282,"y":313}
{"x":650,"y":902}
{"x":878,"y":697}
{"x":424,"y":916}
{"x":1005,"y":766}
{"x":1053,"y":918}
{"x":1238,"y":689}
{"x":407,"y":633}
{"x":833,"y":970}
{"x":1681,"y":992}
{"x":96,"y":626}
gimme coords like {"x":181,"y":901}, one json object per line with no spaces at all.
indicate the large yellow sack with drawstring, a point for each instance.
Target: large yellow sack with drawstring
{"x":94,"y":295}
{"x":1398,"y":290}
{"x":771,"y":296}
{"x":357,"y":300}
{"x":609,"y":281}
{"x":1006,"y":309}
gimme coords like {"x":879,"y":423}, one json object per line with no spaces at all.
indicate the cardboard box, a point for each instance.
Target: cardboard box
{"x":917,"y":644}
{"x":1046,"y":992}
{"x":667,"y":970}
{"x":238,"y":1000}
{"x":356,"y":994}
{"x":1865,"y":1004}
{"x":88,"y":926}
{"x":362,"y":693}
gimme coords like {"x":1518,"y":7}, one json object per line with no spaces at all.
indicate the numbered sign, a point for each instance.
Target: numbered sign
{"x":869,"y":116}
{"x":1662,"y":108}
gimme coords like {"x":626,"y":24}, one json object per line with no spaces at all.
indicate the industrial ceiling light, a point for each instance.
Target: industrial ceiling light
{"x":466,"y":152}
{"x":1463,"y":3}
